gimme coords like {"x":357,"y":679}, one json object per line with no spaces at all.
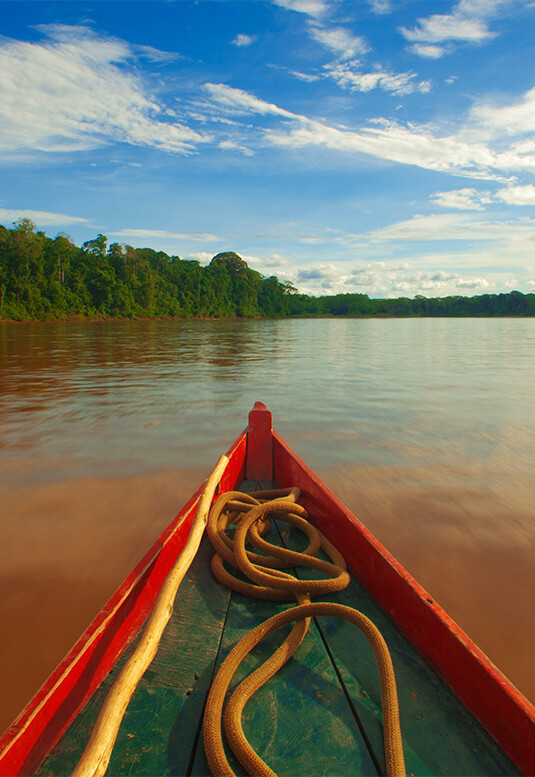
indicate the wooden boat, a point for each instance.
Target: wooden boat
{"x":322,"y":713}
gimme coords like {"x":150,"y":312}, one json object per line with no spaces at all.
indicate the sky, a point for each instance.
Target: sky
{"x":384,"y":147}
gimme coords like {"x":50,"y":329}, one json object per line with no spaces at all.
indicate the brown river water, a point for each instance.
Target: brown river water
{"x":424,"y":428}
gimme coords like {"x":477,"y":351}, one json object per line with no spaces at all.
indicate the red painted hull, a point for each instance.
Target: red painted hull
{"x":260,"y":454}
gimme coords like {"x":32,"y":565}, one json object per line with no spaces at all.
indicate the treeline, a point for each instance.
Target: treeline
{"x":42,"y":277}
{"x":512,"y":304}
{"x":45,"y":278}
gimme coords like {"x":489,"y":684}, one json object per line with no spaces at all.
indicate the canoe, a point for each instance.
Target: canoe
{"x":322,"y":712}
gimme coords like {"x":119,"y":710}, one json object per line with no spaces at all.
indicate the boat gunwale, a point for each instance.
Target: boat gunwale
{"x":21,"y":753}
{"x":486,"y":692}
{"x":505,"y":713}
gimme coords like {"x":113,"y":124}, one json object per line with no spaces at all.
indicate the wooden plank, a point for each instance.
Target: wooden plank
{"x":440,"y":736}
{"x":302,"y":716}
{"x":162,"y":720}
{"x":300,"y":722}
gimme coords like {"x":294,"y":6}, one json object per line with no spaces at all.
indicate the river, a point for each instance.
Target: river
{"x":424,"y":427}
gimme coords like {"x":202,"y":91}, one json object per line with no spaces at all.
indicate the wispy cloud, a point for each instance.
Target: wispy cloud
{"x":231,"y":145}
{"x":380,"y":7}
{"x":307,"y":77}
{"x":468,"y":22}
{"x":454,"y":226}
{"x":386,"y":279}
{"x":165,"y":234}
{"x":242,"y":40}
{"x":238,"y":101}
{"x":468,"y":151}
{"x":514,"y":118}
{"x":153,"y":54}
{"x":462,"y":199}
{"x":439,"y":28}
{"x":471,"y":199}
{"x":42,"y":218}
{"x":412,"y":145}
{"x":477,"y":149}
{"x":518,"y":195}
{"x":339,"y":41}
{"x":203,"y":257}
{"x":75,"y":91}
{"x":313,"y":8}
{"x":342,"y":43}
{"x":429,"y":50}
{"x":350,"y":75}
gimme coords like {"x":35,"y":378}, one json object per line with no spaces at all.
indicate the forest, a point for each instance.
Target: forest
{"x":51,"y":278}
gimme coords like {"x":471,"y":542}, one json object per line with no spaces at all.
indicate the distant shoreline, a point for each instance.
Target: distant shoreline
{"x":44,"y":279}
{"x":96,"y":320}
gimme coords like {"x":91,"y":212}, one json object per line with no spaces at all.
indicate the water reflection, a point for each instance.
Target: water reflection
{"x":424,"y":427}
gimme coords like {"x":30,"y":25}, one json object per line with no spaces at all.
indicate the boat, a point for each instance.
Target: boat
{"x":322,"y":713}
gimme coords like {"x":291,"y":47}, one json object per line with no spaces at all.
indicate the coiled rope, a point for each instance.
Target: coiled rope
{"x":252,"y":513}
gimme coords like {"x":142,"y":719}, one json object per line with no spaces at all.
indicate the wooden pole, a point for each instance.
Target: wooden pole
{"x":96,"y":756}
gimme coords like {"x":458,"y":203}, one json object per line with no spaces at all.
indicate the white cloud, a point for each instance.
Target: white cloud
{"x":449,"y":226}
{"x":243,"y":40}
{"x":472,"y":199}
{"x":409,"y":144}
{"x":239,"y":101}
{"x":441,"y":27}
{"x":380,"y":6}
{"x":462,"y":199}
{"x":165,"y":234}
{"x":76,"y":91}
{"x":473,"y":151}
{"x":203,"y":257}
{"x":387,"y":279}
{"x":513,"y":119}
{"x":155,"y":55}
{"x":41,"y":217}
{"x":472,"y":283}
{"x":338,"y":40}
{"x":342,"y":43}
{"x":467,"y":22}
{"x":231,"y":145}
{"x":350,"y":76}
{"x":307,"y":77}
{"x":314,"y":8}
{"x":517,"y":195}
{"x":314,"y":273}
{"x":429,"y":50}
{"x":433,"y":227}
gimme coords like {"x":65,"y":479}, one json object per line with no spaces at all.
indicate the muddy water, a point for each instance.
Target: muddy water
{"x":426,"y":429}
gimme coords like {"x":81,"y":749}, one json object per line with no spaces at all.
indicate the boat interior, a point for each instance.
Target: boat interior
{"x":320,"y":715}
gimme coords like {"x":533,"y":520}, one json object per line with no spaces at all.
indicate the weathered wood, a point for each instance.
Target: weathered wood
{"x":164,"y":715}
{"x":95,"y":758}
{"x":78,"y":676}
{"x":486,"y":692}
{"x":440,"y":736}
{"x":259,"y":462}
{"x":307,"y":720}
{"x":300,"y":722}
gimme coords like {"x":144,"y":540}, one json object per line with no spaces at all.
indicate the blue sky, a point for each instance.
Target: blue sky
{"x":378,"y":146}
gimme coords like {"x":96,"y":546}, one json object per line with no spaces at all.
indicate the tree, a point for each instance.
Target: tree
{"x":96,"y":247}
{"x":24,"y":225}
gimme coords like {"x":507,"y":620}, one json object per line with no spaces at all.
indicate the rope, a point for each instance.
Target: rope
{"x":96,"y":756}
{"x":253,"y":514}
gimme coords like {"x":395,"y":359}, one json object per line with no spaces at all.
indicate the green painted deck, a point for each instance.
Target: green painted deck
{"x":320,"y":715}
